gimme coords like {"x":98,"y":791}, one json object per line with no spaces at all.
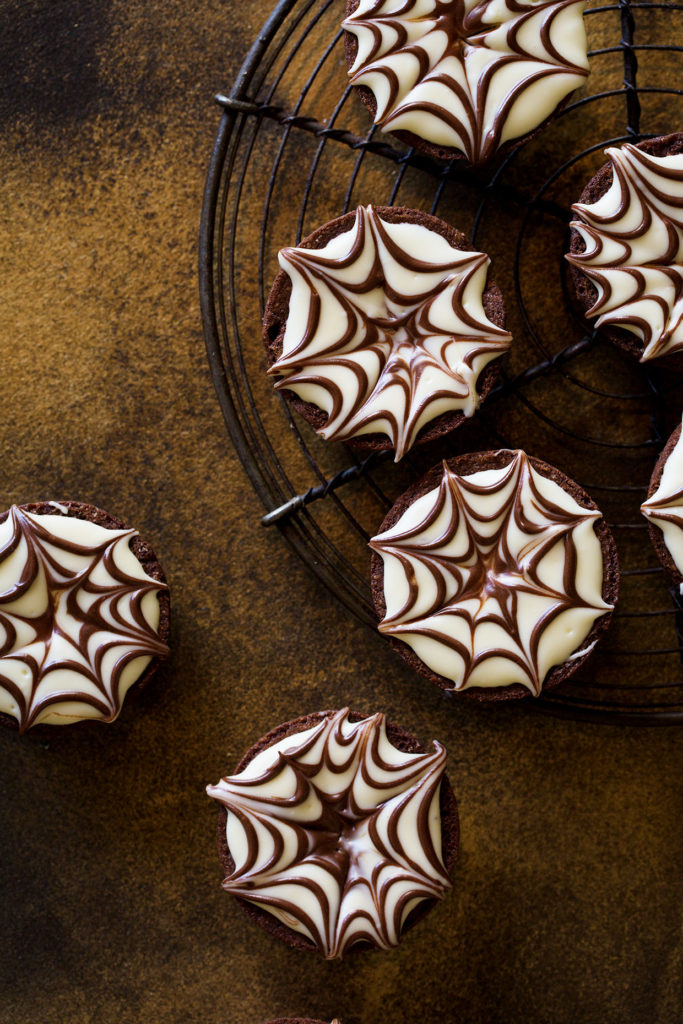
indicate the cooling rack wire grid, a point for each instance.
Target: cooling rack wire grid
{"x":294,"y":149}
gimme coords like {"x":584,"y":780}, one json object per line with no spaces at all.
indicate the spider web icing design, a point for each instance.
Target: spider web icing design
{"x":664,"y":508}
{"x":493,"y":578}
{"x":78,"y":618}
{"x":633,"y":237}
{"x":337,"y":833}
{"x":386,"y":329}
{"x":468,"y":75}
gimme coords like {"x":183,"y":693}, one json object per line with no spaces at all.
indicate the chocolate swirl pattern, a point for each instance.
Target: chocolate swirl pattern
{"x":664,"y":507}
{"x":386,"y":329}
{"x":493,"y":578}
{"x":336,"y":832}
{"x":79,"y":618}
{"x":465,"y":75}
{"x":633,"y":238}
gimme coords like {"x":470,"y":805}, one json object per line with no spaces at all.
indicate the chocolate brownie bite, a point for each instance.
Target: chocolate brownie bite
{"x":626,"y":249}
{"x":465,"y":82}
{"x":663,"y":508}
{"x":494,"y":575}
{"x":84,"y":613}
{"x":382,"y":328}
{"x":301,"y":1020}
{"x":337,"y":831}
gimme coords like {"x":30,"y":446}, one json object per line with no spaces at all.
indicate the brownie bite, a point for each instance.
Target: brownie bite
{"x":663,"y":508}
{"x":626,"y":250}
{"x":364,"y":823}
{"x":465,"y":82}
{"x":301,"y":1020}
{"x":494,"y":575}
{"x":84,"y":613}
{"x":382,"y":328}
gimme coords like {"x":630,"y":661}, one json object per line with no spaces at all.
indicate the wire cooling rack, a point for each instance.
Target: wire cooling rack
{"x":295,"y":149}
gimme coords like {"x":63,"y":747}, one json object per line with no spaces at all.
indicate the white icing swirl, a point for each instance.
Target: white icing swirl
{"x":336,"y":832}
{"x":386,"y":329}
{"x":79,"y":618}
{"x":665,"y":507}
{"x":468,"y":75}
{"x":493,"y":578}
{"x":633,"y":237}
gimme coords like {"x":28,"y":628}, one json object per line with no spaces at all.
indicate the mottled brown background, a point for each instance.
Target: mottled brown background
{"x":567,"y":900}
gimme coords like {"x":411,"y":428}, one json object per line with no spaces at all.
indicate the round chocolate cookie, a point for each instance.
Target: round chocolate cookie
{"x":663,"y":508}
{"x":84,"y":613}
{"x":333,"y":832}
{"x":440,"y":97}
{"x":472,"y":587}
{"x":382,"y":328}
{"x":631,"y":277}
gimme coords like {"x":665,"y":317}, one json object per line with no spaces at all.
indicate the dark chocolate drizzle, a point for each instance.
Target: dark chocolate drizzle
{"x":466,"y":32}
{"x":107,"y":615}
{"x":483,"y":583}
{"x":347,"y":854}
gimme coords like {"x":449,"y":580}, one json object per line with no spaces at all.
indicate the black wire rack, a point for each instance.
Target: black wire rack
{"x":295,"y":149}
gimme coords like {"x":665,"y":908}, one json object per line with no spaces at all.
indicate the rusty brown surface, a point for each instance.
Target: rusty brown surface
{"x":567,"y":899}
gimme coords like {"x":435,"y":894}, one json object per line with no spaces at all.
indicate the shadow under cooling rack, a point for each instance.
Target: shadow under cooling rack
{"x":293,"y":150}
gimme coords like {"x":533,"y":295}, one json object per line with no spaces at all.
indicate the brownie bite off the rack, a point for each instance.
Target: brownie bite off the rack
{"x":337,"y":831}
{"x":301,"y":1020}
{"x":382,"y":328}
{"x":84,"y":613}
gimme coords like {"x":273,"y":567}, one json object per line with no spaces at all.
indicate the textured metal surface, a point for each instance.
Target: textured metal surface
{"x":294,"y":150}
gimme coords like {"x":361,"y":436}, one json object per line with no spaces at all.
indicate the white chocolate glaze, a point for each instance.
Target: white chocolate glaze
{"x":493,"y":578}
{"x":79,"y":618}
{"x":633,"y":238}
{"x":336,"y":832}
{"x":665,"y":507}
{"x":466,"y":75}
{"x":386,"y":329}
